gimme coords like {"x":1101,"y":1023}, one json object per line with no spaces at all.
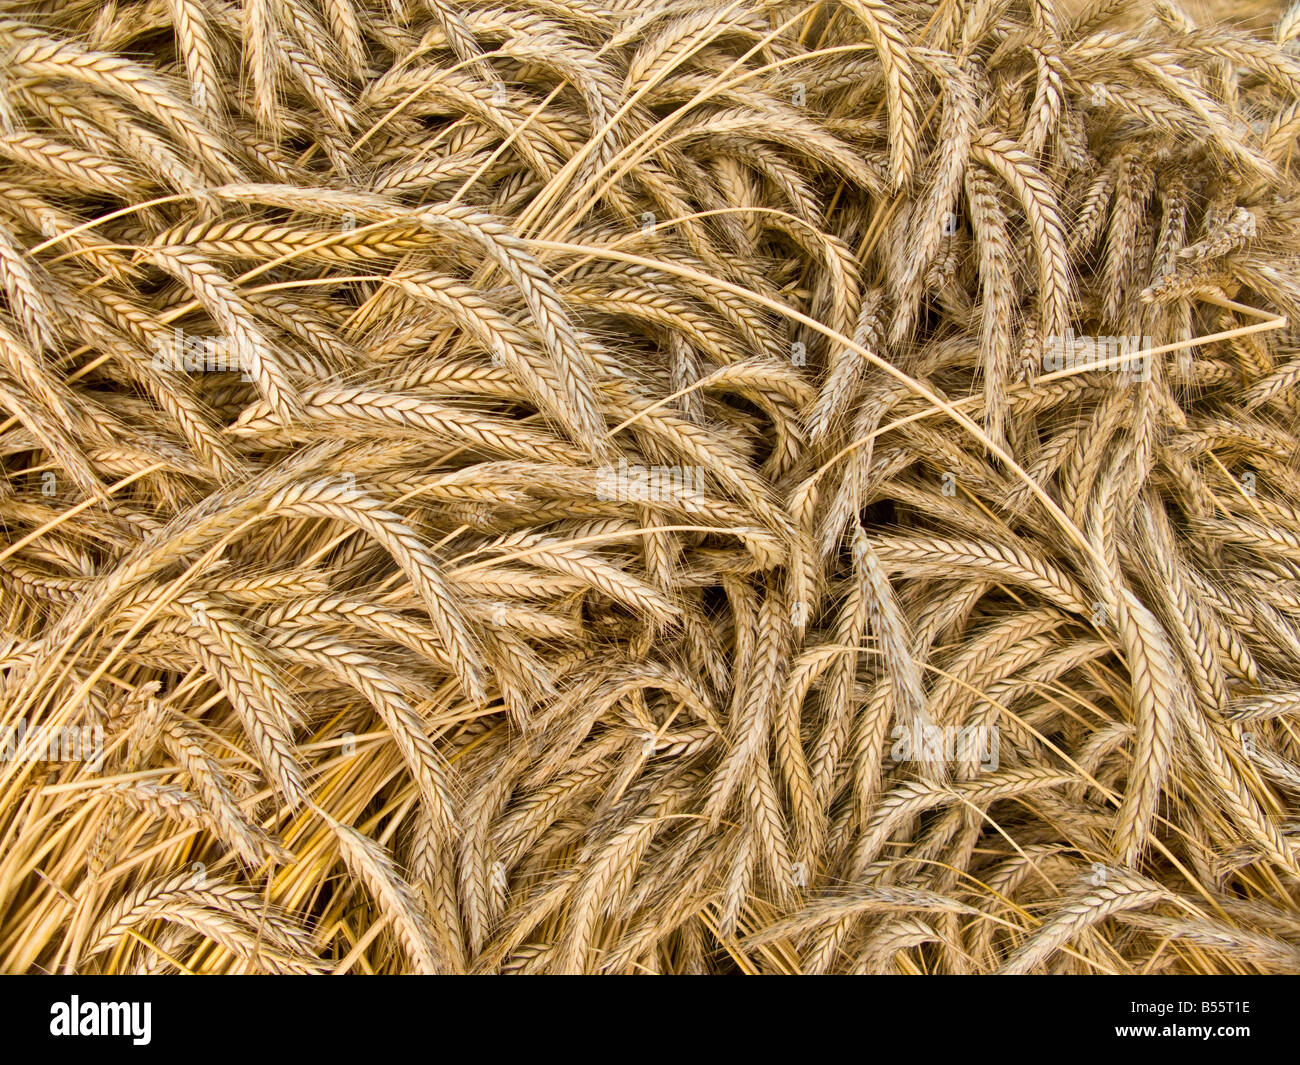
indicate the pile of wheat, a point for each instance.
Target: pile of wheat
{"x":648,"y":486}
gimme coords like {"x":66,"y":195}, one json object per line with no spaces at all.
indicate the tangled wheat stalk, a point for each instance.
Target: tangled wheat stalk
{"x":643,"y":487}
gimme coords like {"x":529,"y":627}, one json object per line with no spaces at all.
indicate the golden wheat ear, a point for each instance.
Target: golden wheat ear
{"x":626,"y":487}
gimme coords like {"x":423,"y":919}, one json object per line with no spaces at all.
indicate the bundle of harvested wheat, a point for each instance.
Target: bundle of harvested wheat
{"x":648,"y":486}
